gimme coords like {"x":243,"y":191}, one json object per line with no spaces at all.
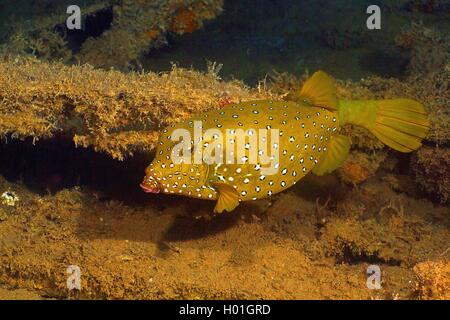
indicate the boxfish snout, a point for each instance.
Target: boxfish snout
{"x":150,"y":185}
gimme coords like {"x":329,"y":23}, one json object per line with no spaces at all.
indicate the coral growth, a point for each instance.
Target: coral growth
{"x":137,"y":27}
{"x":45,"y":44}
{"x":428,"y":6}
{"x":432,"y":170}
{"x":366,"y":214}
{"x":113,"y":112}
{"x":433,"y":279}
{"x":41,"y":36}
{"x":129,"y":38}
{"x":184,"y":21}
{"x":299,"y":249}
{"x":360,"y":166}
{"x":428,"y":49}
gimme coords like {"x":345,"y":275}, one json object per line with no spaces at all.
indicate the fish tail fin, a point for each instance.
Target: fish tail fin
{"x":401,"y":124}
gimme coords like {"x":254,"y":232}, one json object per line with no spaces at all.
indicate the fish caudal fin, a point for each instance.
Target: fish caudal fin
{"x":401,"y":124}
{"x":228,"y":198}
{"x":335,"y":155}
{"x":320,"y":91}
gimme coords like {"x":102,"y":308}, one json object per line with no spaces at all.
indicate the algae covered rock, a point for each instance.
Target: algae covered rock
{"x":139,"y":26}
{"x":43,"y":34}
{"x":135,"y":28}
{"x":428,"y":48}
{"x":112,"y":112}
{"x":432,"y":170}
{"x":433,"y":279}
{"x":360,"y":166}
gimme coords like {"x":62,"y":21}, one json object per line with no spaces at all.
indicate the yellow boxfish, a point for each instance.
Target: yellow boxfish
{"x":223,"y":154}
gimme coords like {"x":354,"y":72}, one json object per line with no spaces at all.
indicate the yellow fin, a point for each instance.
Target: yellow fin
{"x":334,"y":157}
{"x":401,"y":124}
{"x":320,"y":90}
{"x":228,"y":198}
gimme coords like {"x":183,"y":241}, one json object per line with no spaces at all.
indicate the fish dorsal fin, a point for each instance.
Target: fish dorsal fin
{"x":320,"y":91}
{"x":334,"y":157}
{"x":228,"y":198}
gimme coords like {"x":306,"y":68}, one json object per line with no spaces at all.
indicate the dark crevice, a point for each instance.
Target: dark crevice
{"x":55,"y":164}
{"x":351,"y":256}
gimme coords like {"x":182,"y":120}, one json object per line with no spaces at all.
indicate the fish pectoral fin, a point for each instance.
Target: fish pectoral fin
{"x":228,"y":198}
{"x":337,"y":152}
{"x":320,"y":91}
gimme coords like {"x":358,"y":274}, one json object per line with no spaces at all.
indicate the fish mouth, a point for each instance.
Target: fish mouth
{"x":149,"y":187}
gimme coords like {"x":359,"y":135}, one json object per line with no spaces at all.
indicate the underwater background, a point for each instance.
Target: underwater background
{"x":80,"y":115}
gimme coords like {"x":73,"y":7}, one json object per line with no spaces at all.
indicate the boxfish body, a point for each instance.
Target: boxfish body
{"x":255,"y":149}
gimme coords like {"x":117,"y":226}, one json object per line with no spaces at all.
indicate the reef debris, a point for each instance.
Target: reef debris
{"x":433,"y":279}
{"x":128,"y":39}
{"x":43,"y":35}
{"x":428,"y":48}
{"x":110,"y":111}
{"x":360,"y":166}
{"x":9,"y":198}
{"x":136,"y":28}
{"x":431,"y":167}
{"x":297,"y":249}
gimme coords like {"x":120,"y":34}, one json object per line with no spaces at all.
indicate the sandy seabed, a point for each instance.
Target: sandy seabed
{"x":314,"y":241}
